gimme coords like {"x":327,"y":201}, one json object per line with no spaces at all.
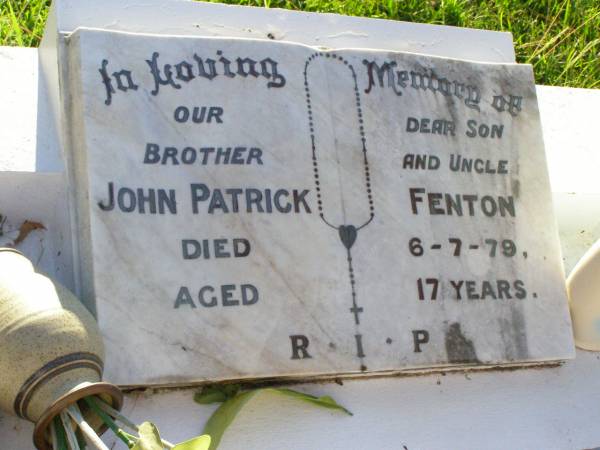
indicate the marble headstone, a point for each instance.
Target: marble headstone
{"x":250,"y":209}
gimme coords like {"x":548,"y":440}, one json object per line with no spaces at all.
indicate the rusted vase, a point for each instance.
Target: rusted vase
{"x":51,"y":350}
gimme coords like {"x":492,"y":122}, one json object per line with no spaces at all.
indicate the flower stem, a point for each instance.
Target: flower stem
{"x":117,"y":415}
{"x":110,"y":423}
{"x":85,"y":428}
{"x":69,"y":431}
{"x":80,"y":439}
{"x":124,"y":420}
{"x":59,"y":440}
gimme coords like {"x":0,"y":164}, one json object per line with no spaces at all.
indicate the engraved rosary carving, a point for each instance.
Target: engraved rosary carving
{"x":345,"y":204}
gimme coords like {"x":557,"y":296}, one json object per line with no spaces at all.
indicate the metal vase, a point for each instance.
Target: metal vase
{"x":51,"y":350}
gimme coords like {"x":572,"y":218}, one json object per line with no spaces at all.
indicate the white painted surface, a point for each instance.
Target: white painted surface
{"x":571,"y":138}
{"x":25,"y":143}
{"x":176,"y":17}
{"x":569,"y":120}
{"x":530,"y":409}
{"x":578,"y":216}
{"x":19,"y":96}
{"x":38,"y":197}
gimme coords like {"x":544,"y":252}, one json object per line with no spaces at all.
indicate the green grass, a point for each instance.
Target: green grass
{"x":22,"y":21}
{"x":561,"y":38}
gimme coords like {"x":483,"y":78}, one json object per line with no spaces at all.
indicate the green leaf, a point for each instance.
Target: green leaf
{"x":325,"y":401}
{"x":210,"y":395}
{"x":198,"y":443}
{"x":224,"y":415}
{"x":149,"y":438}
{"x":216,"y":394}
{"x":129,"y":436}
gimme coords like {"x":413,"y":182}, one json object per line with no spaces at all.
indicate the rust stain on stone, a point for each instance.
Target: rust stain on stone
{"x":27,"y":227}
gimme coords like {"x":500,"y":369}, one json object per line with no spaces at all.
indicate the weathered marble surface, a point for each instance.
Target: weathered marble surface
{"x":297,"y":280}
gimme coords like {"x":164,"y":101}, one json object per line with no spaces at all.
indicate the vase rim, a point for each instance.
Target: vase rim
{"x":11,"y":249}
{"x":84,"y":390}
